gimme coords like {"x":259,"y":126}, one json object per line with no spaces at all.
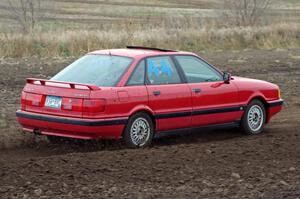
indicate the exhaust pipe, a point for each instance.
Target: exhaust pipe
{"x":37,"y":132}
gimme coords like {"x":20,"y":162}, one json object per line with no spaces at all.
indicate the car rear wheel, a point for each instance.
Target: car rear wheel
{"x":254,"y":118}
{"x":139,"y":131}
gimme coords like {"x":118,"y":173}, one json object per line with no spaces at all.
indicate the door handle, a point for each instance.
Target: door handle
{"x":156,"y":93}
{"x":196,"y":90}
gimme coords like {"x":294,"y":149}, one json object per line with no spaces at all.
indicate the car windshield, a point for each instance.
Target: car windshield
{"x":101,"y":70}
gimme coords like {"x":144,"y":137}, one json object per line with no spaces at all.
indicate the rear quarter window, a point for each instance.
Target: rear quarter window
{"x":138,"y":75}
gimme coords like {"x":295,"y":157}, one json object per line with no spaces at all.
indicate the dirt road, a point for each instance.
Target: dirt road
{"x":200,"y":164}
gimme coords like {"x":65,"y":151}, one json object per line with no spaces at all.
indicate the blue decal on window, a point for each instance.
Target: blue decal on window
{"x":165,"y":67}
{"x":152,"y":69}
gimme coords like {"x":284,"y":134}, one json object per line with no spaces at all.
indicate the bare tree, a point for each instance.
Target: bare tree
{"x":26,"y":13}
{"x":245,"y":12}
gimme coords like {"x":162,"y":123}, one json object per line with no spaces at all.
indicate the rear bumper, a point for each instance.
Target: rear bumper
{"x":274,"y":107}
{"x":111,"y":128}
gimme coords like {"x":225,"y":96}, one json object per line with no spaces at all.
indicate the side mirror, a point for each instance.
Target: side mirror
{"x":226,"y":77}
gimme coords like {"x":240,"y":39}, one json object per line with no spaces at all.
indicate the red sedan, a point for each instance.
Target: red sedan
{"x":138,"y":92}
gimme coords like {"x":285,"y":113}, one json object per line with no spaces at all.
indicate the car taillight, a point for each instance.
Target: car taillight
{"x":23,"y":100}
{"x":84,"y":105}
{"x":71,"y":104}
{"x":94,"y":105}
{"x":32,"y":99}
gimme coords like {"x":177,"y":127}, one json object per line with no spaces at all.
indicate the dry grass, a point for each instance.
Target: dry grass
{"x":72,"y":28}
{"x":190,"y":37}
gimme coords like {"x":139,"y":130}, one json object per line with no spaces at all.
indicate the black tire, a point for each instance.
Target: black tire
{"x":145,"y":128}
{"x":248,"y":125}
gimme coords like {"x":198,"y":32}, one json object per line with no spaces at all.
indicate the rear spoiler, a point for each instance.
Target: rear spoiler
{"x":61,"y":84}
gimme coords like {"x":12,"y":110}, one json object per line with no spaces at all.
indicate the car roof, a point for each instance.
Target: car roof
{"x":138,"y":52}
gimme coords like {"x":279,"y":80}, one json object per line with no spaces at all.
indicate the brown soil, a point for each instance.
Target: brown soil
{"x":200,"y":164}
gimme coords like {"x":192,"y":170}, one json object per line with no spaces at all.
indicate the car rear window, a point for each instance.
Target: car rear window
{"x":101,"y":70}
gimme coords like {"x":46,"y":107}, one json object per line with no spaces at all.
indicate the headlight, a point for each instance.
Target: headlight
{"x":279,"y":93}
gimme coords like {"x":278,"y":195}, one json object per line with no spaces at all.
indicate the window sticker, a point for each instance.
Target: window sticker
{"x":165,"y":67}
{"x":152,"y":69}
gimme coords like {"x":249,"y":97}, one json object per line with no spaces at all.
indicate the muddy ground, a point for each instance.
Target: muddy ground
{"x":200,"y":164}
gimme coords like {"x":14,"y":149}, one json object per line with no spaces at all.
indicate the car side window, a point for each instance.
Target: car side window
{"x":161,"y":70}
{"x":197,"y":70}
{"x":138,"y":75}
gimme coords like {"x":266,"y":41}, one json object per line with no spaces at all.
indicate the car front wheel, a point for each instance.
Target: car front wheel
{"x":139,"y":131}
{"x":254,"y":118}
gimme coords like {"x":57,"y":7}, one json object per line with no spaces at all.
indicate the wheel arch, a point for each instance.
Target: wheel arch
{"x":264,"y":101}
{"x":144,"y":109}
{"x":148,"y":113}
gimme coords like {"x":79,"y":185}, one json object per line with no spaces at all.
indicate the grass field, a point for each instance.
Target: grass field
{"x":71,"y":28}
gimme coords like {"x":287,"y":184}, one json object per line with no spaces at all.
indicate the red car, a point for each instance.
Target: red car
{"x":137,"y":92}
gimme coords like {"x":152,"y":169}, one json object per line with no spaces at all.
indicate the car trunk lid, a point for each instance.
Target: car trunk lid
{"x":59,"y":98}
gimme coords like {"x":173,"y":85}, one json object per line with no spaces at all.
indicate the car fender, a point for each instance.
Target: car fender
{"x":255,"y":95}
{"x":249,"y":89}
{"x":140,"y":108}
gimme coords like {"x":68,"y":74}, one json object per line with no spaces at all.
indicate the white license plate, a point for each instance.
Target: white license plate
{"x":53,"y":102}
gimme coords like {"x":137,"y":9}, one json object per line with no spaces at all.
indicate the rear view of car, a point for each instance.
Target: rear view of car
{"x":73,"y":102}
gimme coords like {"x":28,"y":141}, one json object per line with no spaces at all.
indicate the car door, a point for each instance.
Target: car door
{"x":169,"y":97}
{"x":213,"y":100}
